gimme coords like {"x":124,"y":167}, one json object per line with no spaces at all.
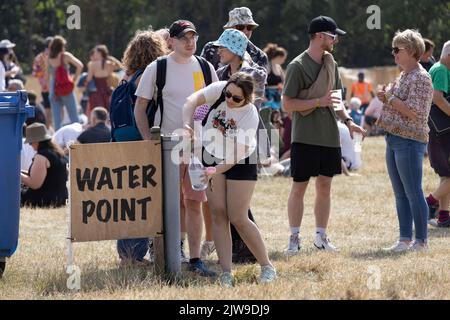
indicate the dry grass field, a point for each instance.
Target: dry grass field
{"x":363,"y":221}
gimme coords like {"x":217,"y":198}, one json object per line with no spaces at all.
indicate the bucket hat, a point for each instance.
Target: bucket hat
{"x":234,"y":40}
{"x":240,"y":16}
{"x":37,"y":132}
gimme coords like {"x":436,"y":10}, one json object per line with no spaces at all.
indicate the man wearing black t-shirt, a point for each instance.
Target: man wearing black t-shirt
{"x":98,"y":132}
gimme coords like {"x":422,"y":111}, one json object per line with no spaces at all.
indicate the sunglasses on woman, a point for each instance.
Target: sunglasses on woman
{"x":236,"y":99}
{"x":241,"y":27}
{"x":396,"y":50}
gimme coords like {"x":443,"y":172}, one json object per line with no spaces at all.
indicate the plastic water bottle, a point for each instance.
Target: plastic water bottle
{"x":357,"y":139}
{"x":196,"y":173}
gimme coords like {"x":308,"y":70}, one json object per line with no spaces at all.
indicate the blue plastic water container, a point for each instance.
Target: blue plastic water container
{"x":13,"y":113}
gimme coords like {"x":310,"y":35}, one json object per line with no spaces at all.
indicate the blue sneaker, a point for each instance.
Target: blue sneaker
{"x":200,"y":268}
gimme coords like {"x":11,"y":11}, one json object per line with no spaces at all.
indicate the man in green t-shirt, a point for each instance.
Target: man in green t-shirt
{"x":439,"y":146}
{"x":315,"y":149}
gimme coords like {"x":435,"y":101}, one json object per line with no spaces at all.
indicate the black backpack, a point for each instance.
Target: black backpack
{"x":123,"y":123}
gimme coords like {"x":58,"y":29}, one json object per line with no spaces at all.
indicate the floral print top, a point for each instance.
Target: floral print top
{"x":415,"y":89}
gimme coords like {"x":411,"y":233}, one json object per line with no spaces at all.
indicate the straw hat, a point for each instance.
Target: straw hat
{"x":37,"y":132}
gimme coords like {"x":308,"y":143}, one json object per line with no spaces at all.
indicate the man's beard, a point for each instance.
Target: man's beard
{"x":327,"y":47}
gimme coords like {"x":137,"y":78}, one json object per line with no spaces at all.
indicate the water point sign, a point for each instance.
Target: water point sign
{"x":115,"y":190}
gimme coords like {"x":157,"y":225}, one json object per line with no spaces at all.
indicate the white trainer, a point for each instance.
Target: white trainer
{"x":208,"y":248}
{"x":293,"y":247}
{"x":433,"y":222}
{"x":324,"y":243}
{"x":268,"y":274}
{"x":418,"y":247}
{"x":226,"y":280}
{"x":399,"y":246}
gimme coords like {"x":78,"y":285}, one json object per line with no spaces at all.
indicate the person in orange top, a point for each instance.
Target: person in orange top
{"x":362,"y":90}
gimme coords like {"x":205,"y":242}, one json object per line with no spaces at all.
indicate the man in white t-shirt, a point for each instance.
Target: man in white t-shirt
{"x":66,"y":134}
{"x":184,"y":76}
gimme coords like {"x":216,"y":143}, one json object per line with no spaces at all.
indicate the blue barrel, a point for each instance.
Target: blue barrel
{"x":13,"y":113}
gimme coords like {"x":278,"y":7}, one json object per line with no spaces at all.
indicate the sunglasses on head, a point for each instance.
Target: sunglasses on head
{"x":236,"y":99}
{"x":241,"y":27}
{"x":396,"y":50}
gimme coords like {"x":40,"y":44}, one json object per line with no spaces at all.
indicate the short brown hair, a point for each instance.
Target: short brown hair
{"x":245,"y":82}
{"x":143,"y":49}
{"x":100,"y":113}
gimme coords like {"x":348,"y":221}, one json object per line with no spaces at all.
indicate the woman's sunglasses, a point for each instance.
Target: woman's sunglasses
{"x":241,"y":27}
{"x":396,"y":50}
{"x":236,"y":99}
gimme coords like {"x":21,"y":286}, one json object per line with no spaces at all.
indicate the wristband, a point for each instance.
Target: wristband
{"x":317,"y":103}
{"x":347,"y":120}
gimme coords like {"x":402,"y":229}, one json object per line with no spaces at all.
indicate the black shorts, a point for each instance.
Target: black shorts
{"x":311,"y":161}
{"x":439,"y":154}
{"x":244,"y":170}
{"x":45,"y":100}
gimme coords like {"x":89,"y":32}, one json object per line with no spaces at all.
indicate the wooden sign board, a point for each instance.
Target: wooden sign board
{"x":115,"y":190}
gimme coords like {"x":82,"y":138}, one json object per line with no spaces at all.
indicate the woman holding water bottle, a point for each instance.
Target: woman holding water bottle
{"x":228,"y":151}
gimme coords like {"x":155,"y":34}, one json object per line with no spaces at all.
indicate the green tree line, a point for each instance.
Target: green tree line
{"x":113,"y":22}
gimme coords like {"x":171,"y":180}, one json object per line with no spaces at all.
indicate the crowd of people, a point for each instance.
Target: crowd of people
{"x":232,"y":89}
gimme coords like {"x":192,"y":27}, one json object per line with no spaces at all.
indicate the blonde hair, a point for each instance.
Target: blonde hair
{"x":412,"y":41}
{"x":143,"y":49}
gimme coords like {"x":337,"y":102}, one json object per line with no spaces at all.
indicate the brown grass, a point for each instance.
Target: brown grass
{"x":363,"y":221}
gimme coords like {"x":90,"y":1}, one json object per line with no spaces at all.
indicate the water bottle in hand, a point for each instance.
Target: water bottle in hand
{"x":197,"y":174}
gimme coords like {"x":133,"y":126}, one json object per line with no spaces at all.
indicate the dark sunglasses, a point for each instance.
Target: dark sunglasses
{"x":396,"y":50}
{"x":241,"y":27}
{"x":236,"y":99}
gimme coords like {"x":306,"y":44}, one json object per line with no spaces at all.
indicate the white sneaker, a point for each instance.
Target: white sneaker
{"x":399,"y":246}
{"x":183,"y":257}
{"x":226,"y":280}
{"x":432,"y":222}
{"x":324,"y":243}
{"x":208,"y":248}
{"x":418,"y":247}
{"x":268,"y":274}
{"x":293,"y":246}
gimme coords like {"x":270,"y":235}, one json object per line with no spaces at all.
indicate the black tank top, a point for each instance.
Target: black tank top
{"x":273,"y":79}
{"x":53,"y":191}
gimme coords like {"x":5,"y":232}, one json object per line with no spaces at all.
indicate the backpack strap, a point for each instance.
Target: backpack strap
{"x":213,"y":107}
{"x":205,"y":69}
{"x":161,"y":69}
{"x":136,"y":75}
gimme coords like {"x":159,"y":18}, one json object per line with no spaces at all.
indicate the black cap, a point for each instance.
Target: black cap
{"x":324,"y":24}
{"x":180,"y":27}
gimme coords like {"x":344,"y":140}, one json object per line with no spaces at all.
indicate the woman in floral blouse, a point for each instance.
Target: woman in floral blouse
{"x":404,"y":118}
